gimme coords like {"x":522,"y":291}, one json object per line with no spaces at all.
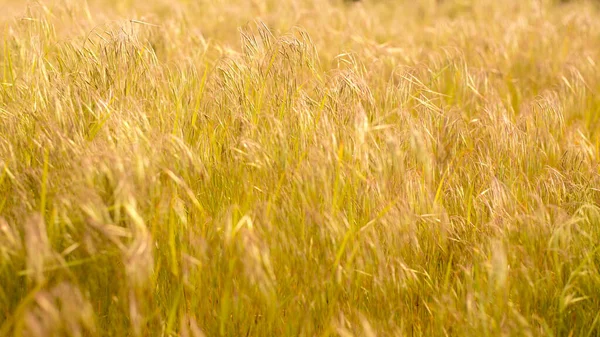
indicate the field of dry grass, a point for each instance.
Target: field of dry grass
{"x":299,"y":168}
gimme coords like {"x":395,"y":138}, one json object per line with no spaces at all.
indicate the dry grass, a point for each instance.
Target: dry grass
{"x":299,"y":168}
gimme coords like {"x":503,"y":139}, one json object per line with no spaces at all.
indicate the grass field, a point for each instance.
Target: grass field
{"x":299,"y":168}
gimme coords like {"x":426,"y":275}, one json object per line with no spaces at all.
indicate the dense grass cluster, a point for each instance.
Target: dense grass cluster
{"x":299,"y":168}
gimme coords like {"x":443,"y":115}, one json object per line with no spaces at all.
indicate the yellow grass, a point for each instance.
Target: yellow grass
{"x":299,"y":168}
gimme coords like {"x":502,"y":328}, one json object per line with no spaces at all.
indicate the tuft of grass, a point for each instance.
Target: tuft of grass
{"x":299,"y":168}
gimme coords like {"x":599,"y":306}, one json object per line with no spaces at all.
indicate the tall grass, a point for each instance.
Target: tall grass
{"x":299,"y":168}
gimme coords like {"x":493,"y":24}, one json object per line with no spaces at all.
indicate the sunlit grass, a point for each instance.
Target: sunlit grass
{"x":299,"y":168}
